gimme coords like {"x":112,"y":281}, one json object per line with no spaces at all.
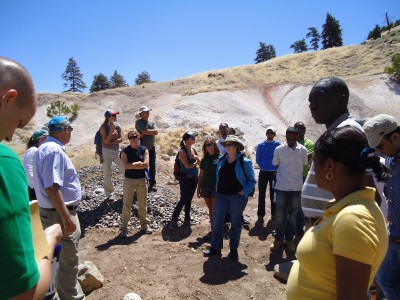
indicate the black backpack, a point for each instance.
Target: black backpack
{"x":177,"y":165}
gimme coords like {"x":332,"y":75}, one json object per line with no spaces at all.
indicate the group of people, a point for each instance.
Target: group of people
{"x":346,"y":248}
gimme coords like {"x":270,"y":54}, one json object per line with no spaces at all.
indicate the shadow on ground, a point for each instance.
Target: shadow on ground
{"x":219,"y":270}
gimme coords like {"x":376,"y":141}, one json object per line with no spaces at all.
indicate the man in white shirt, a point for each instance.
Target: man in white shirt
{"x":290,"y":158}
{"x":58,"y":191}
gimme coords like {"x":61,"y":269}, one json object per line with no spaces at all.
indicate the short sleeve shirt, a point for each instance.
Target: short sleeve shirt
{"x":52,"y":165}
{"x":209,"y":166}
{"x":19,"y":271}
{"x":147,"y":140}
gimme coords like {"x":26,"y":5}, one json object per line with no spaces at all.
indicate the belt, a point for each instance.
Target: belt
{"x":394,"y":239}
{"x":69,"y":207}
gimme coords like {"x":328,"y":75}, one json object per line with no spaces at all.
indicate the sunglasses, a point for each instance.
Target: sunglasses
{"x":133,"y":137}
{"x":70,"y":128}
{"x":209,"y":144}
{"x":228,"y":145}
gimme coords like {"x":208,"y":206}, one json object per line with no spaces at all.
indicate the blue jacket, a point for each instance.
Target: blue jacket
{"x":265,"y":154}
{"x":248,"y":181}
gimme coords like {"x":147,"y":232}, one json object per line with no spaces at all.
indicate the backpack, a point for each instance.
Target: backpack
{"x":241,"y":161}
{"x":98,"y":141}
{"x":177,"y":165}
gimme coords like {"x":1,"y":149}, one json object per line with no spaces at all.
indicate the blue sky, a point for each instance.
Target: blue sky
{"x":170,"y":39}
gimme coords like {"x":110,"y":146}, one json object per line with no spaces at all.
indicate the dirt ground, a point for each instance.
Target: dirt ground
{"x":172,"y":266}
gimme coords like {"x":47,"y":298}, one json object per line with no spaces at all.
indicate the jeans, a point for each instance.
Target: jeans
{"x":130,"y":185}
{"x":152,"y":166}
{"x":287,"y":206}
{"x":68,"y":286}
{"x":235,"y":204}
{"x":300,"y":221}
{"x":110,"y":156}
{"x":388,"y":275}
{"x":265,"y":178}
{"x":188,"y":188}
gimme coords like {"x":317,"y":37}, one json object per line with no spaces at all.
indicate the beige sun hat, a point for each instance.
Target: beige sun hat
{"x":378,"y":126}
{"x":233,"y":139}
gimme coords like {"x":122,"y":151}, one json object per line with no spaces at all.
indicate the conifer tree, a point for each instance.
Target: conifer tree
{"x":299,"y":46}
{"x":331,"y":33}
{"x":315,"y":37}
{"x":265,"y":52}
{"x":73,"y":78}
{"x":100,"y":82}
{"x":117,"y":80}
{"x":143,"y":77}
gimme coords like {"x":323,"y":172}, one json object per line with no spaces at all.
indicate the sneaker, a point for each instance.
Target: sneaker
{"x":211,"y":251}
{"x":276,"y":245}
{"x":233,"y":255}
{"x":291,"y":246}
{"x":122,"y":234}
{"x":146,"y":230}
{"x":189,"y":223}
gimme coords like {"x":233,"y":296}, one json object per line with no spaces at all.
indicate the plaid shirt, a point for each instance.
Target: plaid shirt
{"x":393,"y":194}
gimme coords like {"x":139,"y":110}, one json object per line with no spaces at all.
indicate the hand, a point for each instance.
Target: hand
{"x":112,"y":126}
{"x":53,"y":235}
{"x":69,"y":225}
{"x":241,"y":193}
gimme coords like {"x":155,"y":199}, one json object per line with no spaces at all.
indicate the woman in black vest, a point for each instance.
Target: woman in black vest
{"x":135,"y":159}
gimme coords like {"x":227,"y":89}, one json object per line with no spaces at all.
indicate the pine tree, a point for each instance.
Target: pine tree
{"x":331,"y":33}
{"x":117,"y":80}
{"x":374,"y":33}
{"x":264,"y":53}
{"x":143,"y":77}
{"x":299,"y":46}
{"x":315,"y":37}
{"x":73,"y":78}
{"x":100,"y":82}
{"x":57,"y":108}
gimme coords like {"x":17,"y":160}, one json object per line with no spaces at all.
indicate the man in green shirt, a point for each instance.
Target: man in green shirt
{"x":148,"y":131}
{"x":301,"y":139}
{"x":21,"y":275}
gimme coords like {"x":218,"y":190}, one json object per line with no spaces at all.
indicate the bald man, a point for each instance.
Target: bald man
{"x":21,"y":277}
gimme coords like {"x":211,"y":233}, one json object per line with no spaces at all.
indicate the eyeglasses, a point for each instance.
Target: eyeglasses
{"x":228,"y":145}
{"x":133,"y":137}
{"x":209,"y":144}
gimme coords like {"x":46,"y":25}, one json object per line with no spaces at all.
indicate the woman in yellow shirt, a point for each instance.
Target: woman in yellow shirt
{"x":339,"y":256}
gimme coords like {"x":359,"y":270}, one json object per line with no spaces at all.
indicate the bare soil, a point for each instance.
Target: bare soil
{"x":166,"y":265}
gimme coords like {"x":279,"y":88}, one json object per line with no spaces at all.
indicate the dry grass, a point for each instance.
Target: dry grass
{"x":83,"y":157}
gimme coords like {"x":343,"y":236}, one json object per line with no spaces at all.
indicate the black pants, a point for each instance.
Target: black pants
{"x":265,"y":178}
{"x":188,"y":188}
{"x":152,"y":166}
{"x":32,"y":194}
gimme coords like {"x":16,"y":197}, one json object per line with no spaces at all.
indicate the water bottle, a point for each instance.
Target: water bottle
{"x":55,"y":263}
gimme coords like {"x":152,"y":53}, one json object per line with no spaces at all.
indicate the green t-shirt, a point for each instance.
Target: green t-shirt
{"x":19,"y":271}
{"x":142,"y":125}
{"x":309,"y":146}
{"x":209,"y":166}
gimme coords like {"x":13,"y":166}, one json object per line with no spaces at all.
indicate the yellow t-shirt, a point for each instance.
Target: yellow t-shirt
{"x":353,"y":228}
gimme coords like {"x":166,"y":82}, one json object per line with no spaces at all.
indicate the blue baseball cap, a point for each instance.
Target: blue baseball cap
{"x":59,"y":123}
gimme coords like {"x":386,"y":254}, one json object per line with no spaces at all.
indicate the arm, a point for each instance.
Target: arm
{"x":184,"y":160}
{"x":201,"y":175}
{"x":250,"y":178}
{"x":149,"y":132}
{"x":53,"y":236}
{"x":258,"y":154}
{"x":351,"y":278}
{"x":55,"y":196}
{"x":137,"y":165}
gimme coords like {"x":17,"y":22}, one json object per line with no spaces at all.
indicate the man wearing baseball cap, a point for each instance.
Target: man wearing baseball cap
{"x":264,"y":155}
{"x":148,"y":131}
{"x":58,"y":191}
{"x":383,"y":135}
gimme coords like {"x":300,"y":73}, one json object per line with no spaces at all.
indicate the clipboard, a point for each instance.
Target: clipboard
{"x":40,"y":244}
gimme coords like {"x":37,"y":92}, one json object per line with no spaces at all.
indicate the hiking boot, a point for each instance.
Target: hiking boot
{"x":208,"y":236}
{"x":211,"y":251}
{"x":276,"y":245}
{"x":122,"y":233}
{"x":245,"y":222}
{"x":146,"y":230}
{"x":172,"y":225}
{"x":233,"y":255}
{"x":291,"y":246}
{"x":189,"y":223}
